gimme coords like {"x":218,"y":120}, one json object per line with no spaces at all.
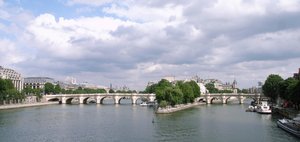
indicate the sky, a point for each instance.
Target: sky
{"x":132,"y":42}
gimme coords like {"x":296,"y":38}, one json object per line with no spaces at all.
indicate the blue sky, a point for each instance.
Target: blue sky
{"x":129,"y":42}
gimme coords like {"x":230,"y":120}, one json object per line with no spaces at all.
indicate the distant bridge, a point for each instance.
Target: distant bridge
{"x":99,"y":97}
{"x":225,"y":96}
{"x":117,"y":97}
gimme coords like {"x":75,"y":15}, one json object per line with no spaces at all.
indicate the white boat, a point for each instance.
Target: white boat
{"x":250,"y":109}
{"x":289,"y":125}
{"x":144,"y":104}
{"x":263,"y":108}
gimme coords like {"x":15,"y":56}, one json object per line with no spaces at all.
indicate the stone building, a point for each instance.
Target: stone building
{"x":14,"y":76}
{"x":37,"y":82}
{"x":222,"y":86}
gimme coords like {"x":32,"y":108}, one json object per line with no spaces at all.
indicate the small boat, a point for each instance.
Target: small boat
{"x":250,"y":109}
{"x":263,"y":108}
{"x":289,"y":125}
{"x":144,"y":104}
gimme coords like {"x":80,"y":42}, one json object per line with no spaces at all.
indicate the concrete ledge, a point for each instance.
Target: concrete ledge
{"x":12,"y":106}
{"x":286,"y":112}
{"x":180,"y":107}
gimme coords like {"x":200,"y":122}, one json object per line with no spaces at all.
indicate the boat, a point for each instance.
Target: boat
{"x":144,"y":104}
{"x":250,"y":109}
{"x":291,"y":126}
{"x":263,"y":108}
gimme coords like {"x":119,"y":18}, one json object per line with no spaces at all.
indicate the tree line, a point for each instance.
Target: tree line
{"x":56,"y":89}
{"x":122,"y":91}
{"x":8,"y":92}
{"x":212,"y":89}
{"x":172,"y":94}
{"x":289,"y":89}
{"x":50,"y":88}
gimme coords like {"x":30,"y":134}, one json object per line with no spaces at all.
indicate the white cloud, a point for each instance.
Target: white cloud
{"x":235,"y":9}
{"x":132,"y":42}
{"x":1,"y":3}
{"x":168,"y":14}
{"x":9,"y":54}
{"x":289,"y":5}
{"x":89,"y":2}
{"x":57,"y":36}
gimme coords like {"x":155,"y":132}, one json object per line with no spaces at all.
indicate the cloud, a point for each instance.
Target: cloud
{"x":132,"y":42}
{"x":62,"y":38}
{"x":89,"y":2}
{"x":9,"y":54}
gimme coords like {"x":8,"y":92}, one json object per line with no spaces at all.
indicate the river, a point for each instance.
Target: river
{"x":128,"y":123}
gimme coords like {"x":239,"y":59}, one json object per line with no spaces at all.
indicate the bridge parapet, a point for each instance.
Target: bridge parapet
{"x":65,"y":98}
{"x":225,"y":96}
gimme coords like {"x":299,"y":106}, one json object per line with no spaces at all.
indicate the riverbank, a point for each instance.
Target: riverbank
{"x":286,"y":112}
{"x":176,"y":108}
{"x":13,"y":106}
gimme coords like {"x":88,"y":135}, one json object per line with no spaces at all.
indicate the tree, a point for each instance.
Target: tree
{"x":163,"y":104}
{"x":111,"y":91}
{"x":271,"y":86}
{"x":245,"y":91}
{"x":57,"y":89}
{"x":8,"y":91}
{"x":295,"y":95}
{"x":160,"y":89}
{"x":286,"y":88}
{"x":151,"y":88}
{"x":211,"y":88}
{"x":195,"y":88}
{"x":49,"y":88}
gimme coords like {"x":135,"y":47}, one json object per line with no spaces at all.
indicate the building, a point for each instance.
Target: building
{"x":297,"y":75}
{"x":14,"y":76}
{"x":222,"y":86}
{"x":37,"y":82}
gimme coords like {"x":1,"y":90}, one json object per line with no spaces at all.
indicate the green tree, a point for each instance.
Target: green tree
{"x":187,"y":91}
{"x":8,"y":91}
{"x":246,"y":91}
{"x":295,"y":95}
{"x":286,"y":88}
{"x":172,"y":94}
{"x":151,"y":88}
{"x":195,"y":88}
{"x":57,"y":89}
{"x":111,"y":91}
{"x":163,"y":104}
{"x":271,"y":86}
{"x":211,"y":88}
{"x":49,"y":88}
{"x":38,"y":92}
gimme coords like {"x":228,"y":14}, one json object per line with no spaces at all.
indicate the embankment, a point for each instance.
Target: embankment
{"x":13,"y":106}
{"x":176,"y":108}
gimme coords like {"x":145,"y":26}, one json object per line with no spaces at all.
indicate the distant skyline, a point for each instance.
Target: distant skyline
{"x":131,"y":42}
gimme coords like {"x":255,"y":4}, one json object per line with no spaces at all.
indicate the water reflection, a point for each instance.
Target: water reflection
{"x":126,"y":122}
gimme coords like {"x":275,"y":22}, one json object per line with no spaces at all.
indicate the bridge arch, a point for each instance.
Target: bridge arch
{"x":215,"y":98}
{"x":69,"y":100}
{"x":124,"y":98}
{"x":230,"y":97}
{"x":53,"y":99}
{"x":141,"y":99}
{"x":106,"y":97}
{"x":85,"y":100}
{"x":249,"y":97}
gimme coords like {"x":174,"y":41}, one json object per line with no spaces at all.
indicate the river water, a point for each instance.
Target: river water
{"x":128,"y":123}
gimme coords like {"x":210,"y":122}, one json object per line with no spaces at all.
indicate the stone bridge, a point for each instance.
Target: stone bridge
{"x":99,"y":97}
{"x":225,"y":96}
